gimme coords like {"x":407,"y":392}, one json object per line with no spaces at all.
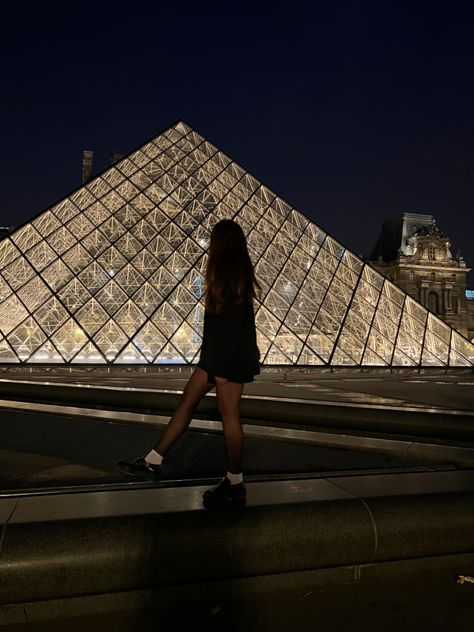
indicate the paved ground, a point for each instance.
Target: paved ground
{"x":427,"y":388}
{"x":47,"y":450}
{"x":52,"y":450}
{"x":41,"y":450}
{"x":429,"y":601}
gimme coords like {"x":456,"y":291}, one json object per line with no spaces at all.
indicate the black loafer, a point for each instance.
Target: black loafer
{"x":139,"y":467}
{"x":225,"y":494}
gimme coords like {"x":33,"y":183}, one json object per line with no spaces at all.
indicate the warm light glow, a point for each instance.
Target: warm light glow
{"x":115,"y":273}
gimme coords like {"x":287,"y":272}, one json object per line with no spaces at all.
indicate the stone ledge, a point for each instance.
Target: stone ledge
{"x":69,"y":558}
{"x":416,"y":422}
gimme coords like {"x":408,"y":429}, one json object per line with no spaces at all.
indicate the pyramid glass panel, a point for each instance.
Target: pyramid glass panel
{"x":91,"y":316}
{"x":18,"y":273}
{"x":57,"y":274}
{"x":61,"y":240}
{"x":130,"y":318}
{"x":82,"y":199}
{"x":130,"y":355}
{"x":26,"y":237}
{"x":77,"y":258}
{"x":114,"y":273}
{"x":12,"y":313}
{"x":5,"y":289}
{"x":46,"y":223}
{"x":186,"y":341}
{"x":97,"y":213}
{"x":46,"y":353}
{"x":111,"y":297}
{"x":73,"y":295}
{"x":378,"y":345}
{"x":110,"y":340}
{"x":308,"y":357}
{"x":88,"y":355}
{"x":66,"y":209}
{"x":149,"y":341}
{"x":34,"y":293}
{"x":26,"y":338}
{"x":51,"y":315}
{"x":69,"y":339}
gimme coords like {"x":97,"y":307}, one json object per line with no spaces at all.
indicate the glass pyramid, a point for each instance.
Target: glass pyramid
{"x":114,"y":273}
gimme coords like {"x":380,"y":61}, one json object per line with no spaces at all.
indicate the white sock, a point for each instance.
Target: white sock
{"x":235,"y":479}
{"x":154,"y":458}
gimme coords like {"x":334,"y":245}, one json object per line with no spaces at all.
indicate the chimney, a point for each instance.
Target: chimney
{"x":115,"y":156}
{"x":87,"y":158}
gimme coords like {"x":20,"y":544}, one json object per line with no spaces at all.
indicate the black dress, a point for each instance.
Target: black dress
{"x":229,"y":345}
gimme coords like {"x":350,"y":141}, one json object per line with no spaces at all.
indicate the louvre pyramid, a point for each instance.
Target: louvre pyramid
{"x":114,"y":273}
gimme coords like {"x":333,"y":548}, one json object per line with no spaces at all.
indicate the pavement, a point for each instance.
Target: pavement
{"x":360,"y":492}
{"x":424,"y":389}
{"x":64,"y":447}
{"x":46,"y":444}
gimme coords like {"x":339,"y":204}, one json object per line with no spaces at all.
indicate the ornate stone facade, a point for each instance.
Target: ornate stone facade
{"x":415,"y":255}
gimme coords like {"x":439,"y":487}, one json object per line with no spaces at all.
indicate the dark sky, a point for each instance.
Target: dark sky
{"x":353,"y":113}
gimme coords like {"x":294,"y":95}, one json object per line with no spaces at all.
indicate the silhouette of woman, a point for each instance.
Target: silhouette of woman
{"x":229,"y":358}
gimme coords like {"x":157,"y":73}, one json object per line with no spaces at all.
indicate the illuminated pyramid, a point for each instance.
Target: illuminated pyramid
{"x":114,"y":273}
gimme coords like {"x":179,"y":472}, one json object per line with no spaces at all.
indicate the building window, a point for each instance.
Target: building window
{"x":433,"y":302}
{"x":453,"y":278}
{"x":411,"y":275}
{"x":433,"y":276}
{"x":431,"y":252}
{"x":455,"y":303}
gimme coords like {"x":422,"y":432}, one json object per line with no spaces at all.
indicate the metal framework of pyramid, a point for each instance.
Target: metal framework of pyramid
{"x":114,"y":273}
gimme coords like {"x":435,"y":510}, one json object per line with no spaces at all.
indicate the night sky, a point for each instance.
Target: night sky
{"x":352,"y":113}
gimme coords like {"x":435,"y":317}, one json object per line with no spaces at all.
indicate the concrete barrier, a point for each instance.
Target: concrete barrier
{"x":63,"y":547}
{"x":437,"y":424}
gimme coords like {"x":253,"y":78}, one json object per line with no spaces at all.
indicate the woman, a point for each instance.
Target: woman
{"x":229,"y":358}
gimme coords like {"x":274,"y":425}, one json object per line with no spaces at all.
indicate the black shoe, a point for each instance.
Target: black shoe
{"x":225,"y":494}
{"x":139,"y":467}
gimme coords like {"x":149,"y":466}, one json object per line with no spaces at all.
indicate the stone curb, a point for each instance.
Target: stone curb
{"x":416,"y":422}
{"x":65,"y":557}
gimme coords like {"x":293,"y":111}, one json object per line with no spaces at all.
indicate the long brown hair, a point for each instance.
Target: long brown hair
{"x":229,"y":273}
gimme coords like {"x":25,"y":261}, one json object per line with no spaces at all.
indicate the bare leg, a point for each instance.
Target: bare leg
{"x":194,"y":391}
{"x":228,"y":402}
